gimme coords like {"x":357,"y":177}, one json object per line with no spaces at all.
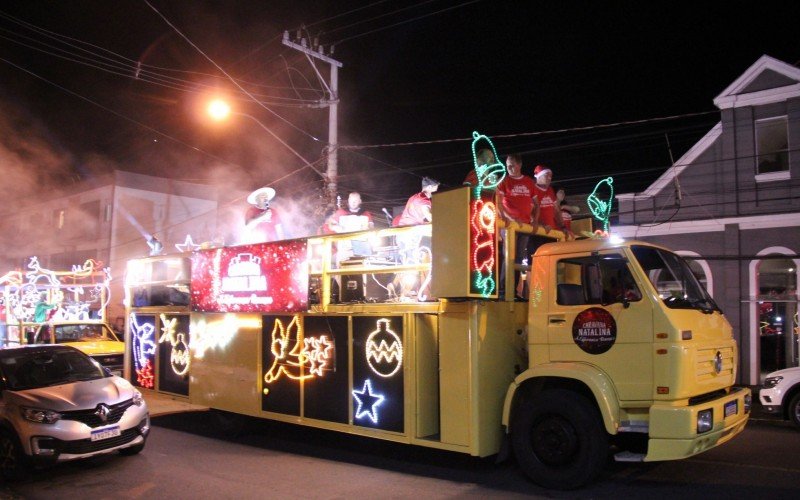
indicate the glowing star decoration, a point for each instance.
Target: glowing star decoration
{"x":296,"y":357}
{"x":489,"y":174}
{"x":188,"y":245}
{"x":384,"y":350}
{"x":368,"y":402}
{"x":179,"y":358}
{"x":144,"y":348}
{"x":600,"y":207}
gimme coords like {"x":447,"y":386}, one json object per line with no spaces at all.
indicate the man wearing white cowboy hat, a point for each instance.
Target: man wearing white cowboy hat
{"x":262,"y":223}
{"x":547,"y":213}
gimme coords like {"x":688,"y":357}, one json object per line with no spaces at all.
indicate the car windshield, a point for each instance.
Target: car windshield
{"x":82,"y":333}
{"x":32,"y":369}
{"x":673,"y":279}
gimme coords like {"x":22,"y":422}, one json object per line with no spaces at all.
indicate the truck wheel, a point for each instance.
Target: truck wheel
{"x":794,"y":409}
{"x":559,"y":439}
{"x":12,"y":461}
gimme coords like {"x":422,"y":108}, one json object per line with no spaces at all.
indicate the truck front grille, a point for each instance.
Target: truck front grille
{"x":706,"y":361}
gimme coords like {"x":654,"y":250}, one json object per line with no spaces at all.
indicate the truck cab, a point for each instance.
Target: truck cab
{"x":622,"y":332}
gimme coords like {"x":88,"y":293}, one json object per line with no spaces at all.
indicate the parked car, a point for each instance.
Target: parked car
{"x":58,"y":404}
{"x":780,"y":394}
{"x":94,"y":338}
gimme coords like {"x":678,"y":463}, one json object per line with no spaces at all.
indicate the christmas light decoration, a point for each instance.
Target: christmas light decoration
{"x":144,"y":349}
{"x":179,"y":357}
{"x":384,"y":350}
{"x":216,"y":334}
{"x":600,"y":207}
{"x":489,"y":174}
{"x":536,"y":294}
{"x":188,"y":245}
{"x":296,"y":357}
{"x":483,"y":218}
{"x":368,"y":402}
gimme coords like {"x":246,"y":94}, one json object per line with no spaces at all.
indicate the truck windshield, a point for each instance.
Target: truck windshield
{"x":673,"y":279}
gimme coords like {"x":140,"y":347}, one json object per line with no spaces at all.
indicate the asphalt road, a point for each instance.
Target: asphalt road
{"x":187,"y":456}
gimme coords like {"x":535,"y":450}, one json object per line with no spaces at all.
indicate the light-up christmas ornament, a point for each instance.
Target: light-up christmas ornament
{"x":367,"y":402}
{"x":384,"y":350}
{"x":600,"y":202}
{"x":179,"y":356}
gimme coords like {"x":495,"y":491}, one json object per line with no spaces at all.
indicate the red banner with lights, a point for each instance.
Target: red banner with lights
{"x":264,"y":277}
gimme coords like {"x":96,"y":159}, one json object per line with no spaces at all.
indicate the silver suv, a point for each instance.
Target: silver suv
{"x":780,"y":394}
{"x":58,"y":404}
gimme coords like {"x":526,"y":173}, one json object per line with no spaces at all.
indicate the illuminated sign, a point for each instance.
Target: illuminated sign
{"x":179,"y":354}
{"x":483,"y":221}
{"x":174,"y":356}
{"x":384,"y":350}
{"x":144,"y":348}
{"x":368,"y":402}
{"x":188,"y":245}
{"x":264,"y":277}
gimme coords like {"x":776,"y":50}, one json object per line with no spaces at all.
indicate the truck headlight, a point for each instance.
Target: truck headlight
{"x":705,"y":420}
{"x":40,"y":416}
{"x":772,"y":382}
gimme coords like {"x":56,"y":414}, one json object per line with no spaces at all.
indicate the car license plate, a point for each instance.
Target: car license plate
{"x":731,"y":408}
{"x":108,"y":432}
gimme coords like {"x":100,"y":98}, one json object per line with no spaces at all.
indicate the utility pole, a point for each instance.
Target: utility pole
{"x":332,"y":103}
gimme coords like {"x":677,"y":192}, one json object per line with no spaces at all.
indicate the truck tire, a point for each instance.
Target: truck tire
{"x":559,"y":439}
{"x":794,"y":409}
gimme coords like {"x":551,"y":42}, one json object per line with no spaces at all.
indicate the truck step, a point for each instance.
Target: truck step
{"x":629,"y":456}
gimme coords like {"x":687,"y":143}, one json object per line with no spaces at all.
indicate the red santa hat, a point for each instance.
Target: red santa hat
{"x":540,"y":170}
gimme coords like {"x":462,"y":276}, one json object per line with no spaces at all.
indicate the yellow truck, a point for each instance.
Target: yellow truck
{"x":400,"y":334}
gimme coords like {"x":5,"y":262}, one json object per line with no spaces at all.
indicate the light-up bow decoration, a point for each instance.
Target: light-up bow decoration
{"x":601,"y":208}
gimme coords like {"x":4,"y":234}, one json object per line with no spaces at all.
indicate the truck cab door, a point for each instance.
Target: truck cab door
{"x":596,"y":314}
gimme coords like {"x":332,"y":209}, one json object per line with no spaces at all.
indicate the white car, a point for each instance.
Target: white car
{"x":780,"y":394}
{"x":58,"y":404}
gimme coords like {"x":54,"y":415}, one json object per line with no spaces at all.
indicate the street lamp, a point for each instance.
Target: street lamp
{"x":219,"y":109}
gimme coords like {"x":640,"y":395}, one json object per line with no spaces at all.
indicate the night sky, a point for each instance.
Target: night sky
{"x":90,"y":86}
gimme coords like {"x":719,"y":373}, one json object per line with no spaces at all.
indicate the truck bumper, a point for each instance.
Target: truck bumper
{"x":673,"y":429}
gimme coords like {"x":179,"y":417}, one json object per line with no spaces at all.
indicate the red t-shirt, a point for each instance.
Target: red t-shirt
{"x":264,"y":230}
{"x":517,"y":197}
{"x":547,"y":205}
{"x":414,"y":212}
{"x":566,"y":216}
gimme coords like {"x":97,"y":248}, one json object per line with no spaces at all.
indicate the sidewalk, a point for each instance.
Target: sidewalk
{"x":165,"y":404}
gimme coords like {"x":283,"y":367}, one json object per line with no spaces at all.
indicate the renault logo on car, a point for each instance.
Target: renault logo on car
{"x":102,"y":412}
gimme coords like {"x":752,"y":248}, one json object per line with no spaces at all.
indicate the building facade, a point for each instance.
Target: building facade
{"x":731,"y":205}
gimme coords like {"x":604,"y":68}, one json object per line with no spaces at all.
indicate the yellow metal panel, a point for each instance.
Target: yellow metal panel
{"x":426,"y":380}
{"x":225,"y":373}
{"x":455,"y":386}
{"x":450,"y":244}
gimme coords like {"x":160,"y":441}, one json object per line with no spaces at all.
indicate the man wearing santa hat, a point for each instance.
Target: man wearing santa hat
{"x":262,"y":223}
{"x":546,"y":211}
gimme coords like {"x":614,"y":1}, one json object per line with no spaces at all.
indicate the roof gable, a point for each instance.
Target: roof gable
{"x":768,"y":80}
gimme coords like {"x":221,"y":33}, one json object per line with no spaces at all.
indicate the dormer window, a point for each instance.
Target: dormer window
{"x":772,"y":146}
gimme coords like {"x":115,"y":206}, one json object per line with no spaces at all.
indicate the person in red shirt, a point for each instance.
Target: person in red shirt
{"x":262,"y":223}
{"x":515,"y":201}
{"x":547,"y":213}
{"x":566,"y":210}
{"x":352,"y":218}
{"x":418,"y":207}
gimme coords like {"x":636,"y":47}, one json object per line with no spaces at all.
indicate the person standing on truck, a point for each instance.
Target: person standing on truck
{"x":547,"y":213}
{"x":418,"y":207}
{"x":565,"y":209}
{"x":352,"y":218}
{"x":482,"y":157}
{"x":262,"y":223}
{"x":516,"y":203}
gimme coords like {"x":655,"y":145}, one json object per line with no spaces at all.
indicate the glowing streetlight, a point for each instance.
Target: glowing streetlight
{"x":219,"y":109}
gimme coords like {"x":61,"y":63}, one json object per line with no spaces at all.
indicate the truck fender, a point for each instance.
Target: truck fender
{"x":554,"y":374}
